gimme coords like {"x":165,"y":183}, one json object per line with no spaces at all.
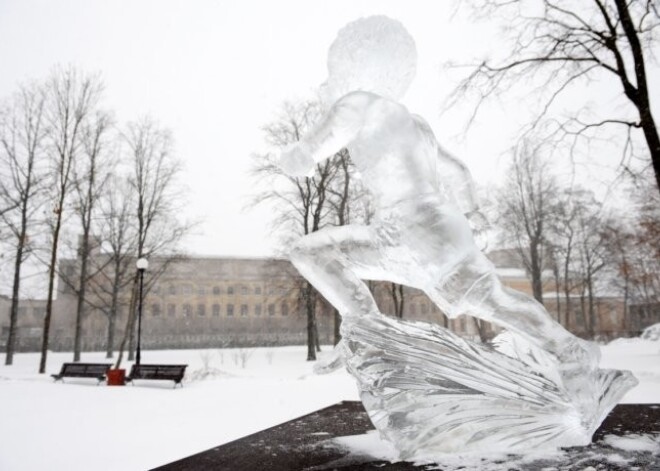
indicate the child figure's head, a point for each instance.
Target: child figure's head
{"x":374,"y":54}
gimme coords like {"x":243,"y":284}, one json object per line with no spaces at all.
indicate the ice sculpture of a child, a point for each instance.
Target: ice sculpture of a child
{"x":423,"y":199}
{"x":426,"y":389}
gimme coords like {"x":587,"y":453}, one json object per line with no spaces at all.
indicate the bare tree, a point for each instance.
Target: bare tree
{"x":153,"y":179}
{"x":22,"y":134}
{"x":91,"y":173}
{"x":111,"y":256}
{"x":620,"y":247}
{"x":563,"y":246}
{"x":350,"y":202}
{"x":633,"y":239}
{"x":527,"y":205}
{"x":591,"y":251}
{"x":71,"y":98}
{"x":580,"y":252}
{"x":569,"y":43}
{"x":306,"y":204}
{"x":117,"y":231}
{"x":645,"y":270}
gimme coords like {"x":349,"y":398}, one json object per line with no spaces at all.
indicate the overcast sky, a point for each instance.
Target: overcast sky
{"x":216,"y":71}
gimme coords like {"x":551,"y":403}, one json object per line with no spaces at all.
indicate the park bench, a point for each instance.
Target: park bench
{"x":83,"y":370}
{"x":165,"y":372}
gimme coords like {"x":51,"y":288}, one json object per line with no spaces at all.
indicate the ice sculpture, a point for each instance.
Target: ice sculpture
{"x":427,"y":390}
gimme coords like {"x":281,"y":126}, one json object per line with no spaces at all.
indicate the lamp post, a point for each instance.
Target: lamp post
{"x":142,"y":264}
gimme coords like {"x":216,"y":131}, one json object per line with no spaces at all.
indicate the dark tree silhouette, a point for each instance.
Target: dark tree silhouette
{"x":569,"y":43}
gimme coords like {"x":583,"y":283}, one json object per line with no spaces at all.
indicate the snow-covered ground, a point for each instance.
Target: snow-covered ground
{"x":150,"y":424}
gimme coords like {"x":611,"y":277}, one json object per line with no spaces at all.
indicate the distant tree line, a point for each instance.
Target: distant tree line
{"x":584,"y":245}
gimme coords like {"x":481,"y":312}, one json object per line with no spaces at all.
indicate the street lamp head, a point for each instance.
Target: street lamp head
{"x":142,"y":264}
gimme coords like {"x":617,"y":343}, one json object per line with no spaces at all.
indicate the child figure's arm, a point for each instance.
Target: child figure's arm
{"x":337,"y":128}
{"x":456,"y":177}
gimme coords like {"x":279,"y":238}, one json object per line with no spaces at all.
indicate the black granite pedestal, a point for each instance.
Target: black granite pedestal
{"x":306,"y":444}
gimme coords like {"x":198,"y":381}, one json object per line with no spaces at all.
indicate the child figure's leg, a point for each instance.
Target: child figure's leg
{"x":335,"y":260}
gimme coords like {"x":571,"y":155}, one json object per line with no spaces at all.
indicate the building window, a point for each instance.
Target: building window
{"x":22,"y":311}
{"x":186,"y":289}
{"x":244,"y":309}
{"x":424,"y":308}
{"x":216,"y":310}
{"x":230,"y":309}
{"x":155,"y":310}
{"x":156,"y":289}
{"x":201,"y":309}
{"x":201,"y":290}
{"x":244,"y":290}
{"x":271,"y":309}
{"x":257,"y":290}
{"x":216,"y":290}
{"x":172,"y":289}
{"x":187,"y":310}
{"x":230,"y":290}
{"x":285,"y":309}
{"x":257,"y":310}
{"x":39,"y":312}
{"x":271,"y":290}
{"x":171,"y":310}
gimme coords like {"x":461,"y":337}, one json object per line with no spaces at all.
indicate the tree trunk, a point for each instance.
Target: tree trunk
{"x":51,"y":289}
{"x":555,"y":273}
{"x":592,"y":313}
{"x":337,"y":336}
{"x":311,"y":322}
{"x":626,"y":324}
{"x":398,"y":299}
{"x":640,"y":96}
{"x":481,"y":330}
{"x":537,"y":282}
{"x":585,"y":317}
{"x":13,"y":314}
{"x":567,"y":292}
{"x":84,"y":252}
{"x":653,"y":141}
{"x":317,"y":337}
{"x":112,"y":317}
{"x":110,"y":336}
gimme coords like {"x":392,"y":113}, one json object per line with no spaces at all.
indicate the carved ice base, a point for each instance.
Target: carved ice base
{"x":429,"y":391}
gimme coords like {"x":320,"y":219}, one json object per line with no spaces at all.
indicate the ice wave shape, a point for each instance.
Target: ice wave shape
{"x":429,"y":391}
{"x":426,"y":389}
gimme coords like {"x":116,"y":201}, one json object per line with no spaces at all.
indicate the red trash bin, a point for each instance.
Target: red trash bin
{"x":116,"y":377}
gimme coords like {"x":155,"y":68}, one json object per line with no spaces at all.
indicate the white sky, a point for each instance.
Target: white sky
{"x":216,"y":71}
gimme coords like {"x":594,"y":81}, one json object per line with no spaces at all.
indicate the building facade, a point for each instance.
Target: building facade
{"x":214,"y":302}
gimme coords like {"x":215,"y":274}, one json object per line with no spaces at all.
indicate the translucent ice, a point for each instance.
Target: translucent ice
{"x":374,"y":54}
{"x":427,"y":390}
